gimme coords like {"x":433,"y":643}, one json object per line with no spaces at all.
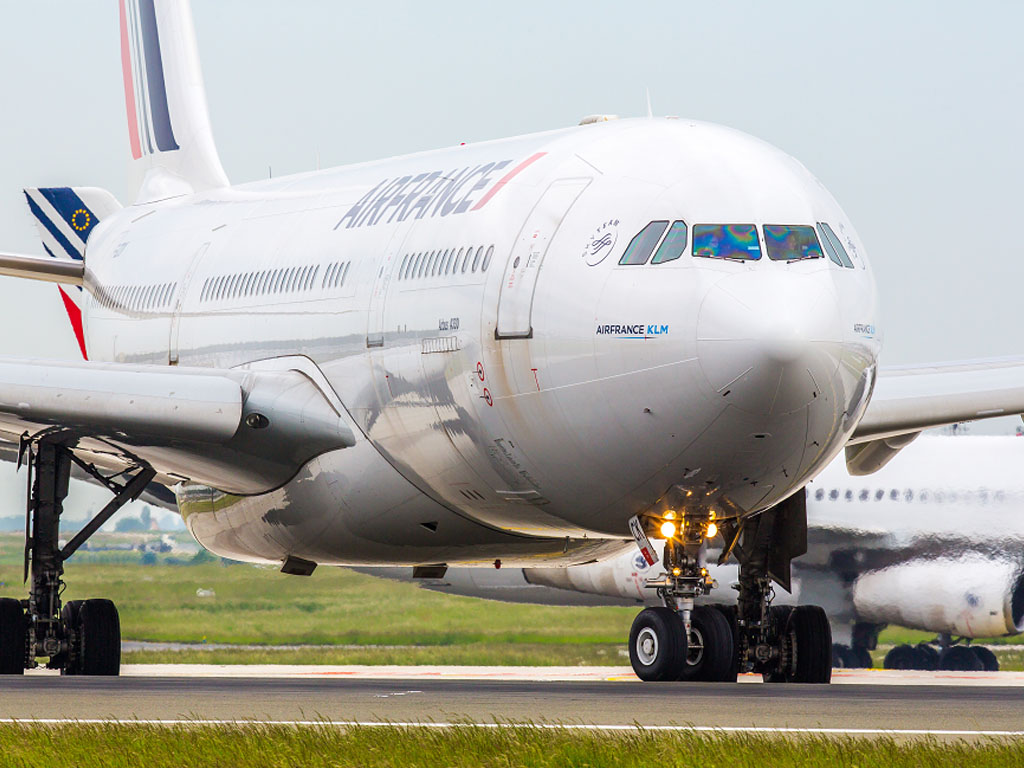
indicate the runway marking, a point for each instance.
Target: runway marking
{"x":762,"y":729}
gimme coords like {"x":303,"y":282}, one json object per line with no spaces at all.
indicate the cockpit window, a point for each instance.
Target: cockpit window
{"x":726,"y":241}
{"x":673,"y":245}
{"x":791,"y":243}
{"x":835,"y":249}
{"x":639,"y":249}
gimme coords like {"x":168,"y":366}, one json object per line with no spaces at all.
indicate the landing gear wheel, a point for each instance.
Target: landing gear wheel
{"x":657,"y":644}
{"x":960,"y":658}
{"x":986,"y":657}
{"x":69,"y":662}
{"x":98,"y":629}
{"x":843,"y":657}
{"x":709,"y":648}
{"x":807,"y":647}
{"x":861,"y":657}
{"x":925,"y":657}
{"x":12,"y":637}
{"x":900,"y":657}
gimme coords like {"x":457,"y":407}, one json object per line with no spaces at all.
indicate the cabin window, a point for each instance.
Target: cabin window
{"x":642,"y":245}
{"x":478,"y":257}
{"x":673,"y":245}
{"x":835,"y":249}
{"x":726,"y":241}
{"x":465,"y":261}
{"x":791,"y":243}
{"x":344,"y":275}
{"x":487,"y":259}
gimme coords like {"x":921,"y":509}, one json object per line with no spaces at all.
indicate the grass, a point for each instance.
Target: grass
{"x":333,"y":607}
{"x":468,"y":747}
{"x":472,"y":654}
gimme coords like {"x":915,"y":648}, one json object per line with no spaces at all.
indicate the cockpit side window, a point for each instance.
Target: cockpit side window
{"x":640,"y":247}
{"x":835,"y":249}
{"x":726,"y":241}
{"x":791,"y":243}
{"x":673,"y":245}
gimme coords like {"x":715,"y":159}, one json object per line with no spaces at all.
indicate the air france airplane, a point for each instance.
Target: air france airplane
{"x":934,"y":542}
{"x":526,"y":352}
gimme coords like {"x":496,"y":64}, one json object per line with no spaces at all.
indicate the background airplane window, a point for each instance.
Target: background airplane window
{"x":726,"y":241}
{"x":465,"y":261}
{"x":835,"y":248}
{"x":640,"y":247}
{"x":344,"y":275}
{"x":487,"y":258}
{"x":791,"y":243}
{"x":673,"y":245}
{"x":476,"y":259}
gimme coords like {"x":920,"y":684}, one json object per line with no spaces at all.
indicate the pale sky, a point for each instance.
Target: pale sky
{"x":910,"y":113}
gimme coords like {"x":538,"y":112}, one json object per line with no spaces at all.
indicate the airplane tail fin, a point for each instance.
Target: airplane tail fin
{"x":65,"y":217}
{"x":169,"y":134}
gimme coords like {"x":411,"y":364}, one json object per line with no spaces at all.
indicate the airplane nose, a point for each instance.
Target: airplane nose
{"x":768,"y":344}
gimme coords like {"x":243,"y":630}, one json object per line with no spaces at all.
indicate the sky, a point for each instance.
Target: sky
{"x":911,"y":114}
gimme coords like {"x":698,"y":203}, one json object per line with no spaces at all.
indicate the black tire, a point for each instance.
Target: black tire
{"x":843,"y":657}
{"x":101,"y":638}
{"x":709,"y":649}
{"x":960,"y":658}
{"x":657,"y":644}
{"x":813,"y":636}
{"x":69,"y":662}
{"x":986,"y":657}
{"x":900,"y":657}
{"x":861,"y":658}
{"x":779,"y":616}
{"x":12,"y":637}
{"x":926,"y":657}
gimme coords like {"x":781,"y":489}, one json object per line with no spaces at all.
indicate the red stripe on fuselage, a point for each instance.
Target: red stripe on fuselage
{"x":75,"y":316}
{"x":129,"y":92}
{"x":506,"y":179}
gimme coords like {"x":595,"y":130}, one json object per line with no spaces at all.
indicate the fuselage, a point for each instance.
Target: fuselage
{"x":511,"y":379}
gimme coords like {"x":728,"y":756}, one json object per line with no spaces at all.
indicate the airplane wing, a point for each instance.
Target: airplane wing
{"x":907,"y":400}
{"x":243,"y":431}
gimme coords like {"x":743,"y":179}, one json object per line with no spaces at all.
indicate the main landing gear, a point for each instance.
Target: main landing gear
{"x":681,"y":641}
{"x":82,"y":637}
{"x":949,"y":655}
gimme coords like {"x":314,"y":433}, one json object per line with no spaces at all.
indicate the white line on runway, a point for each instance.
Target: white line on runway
{"x":765,"y":729}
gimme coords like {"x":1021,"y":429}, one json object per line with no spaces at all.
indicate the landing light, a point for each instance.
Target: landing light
{"x":668,"y":529}
{"x":676,"y":571}
{"x":712,"y":530}
{"x":670,"y":515}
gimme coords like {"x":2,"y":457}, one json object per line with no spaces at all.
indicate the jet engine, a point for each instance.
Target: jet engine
{"x":972,"y":596}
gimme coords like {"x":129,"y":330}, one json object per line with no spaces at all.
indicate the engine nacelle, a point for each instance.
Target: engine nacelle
{"x":972,"y":596}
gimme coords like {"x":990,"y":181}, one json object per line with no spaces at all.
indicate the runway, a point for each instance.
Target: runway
{"x":972,"y":708}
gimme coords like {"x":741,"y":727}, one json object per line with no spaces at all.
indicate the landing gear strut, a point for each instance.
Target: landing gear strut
{"x":83,"y":638}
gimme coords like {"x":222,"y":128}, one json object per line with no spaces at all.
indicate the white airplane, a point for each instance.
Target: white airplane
{"x":934,"y":541}
{"x":520,"y":351}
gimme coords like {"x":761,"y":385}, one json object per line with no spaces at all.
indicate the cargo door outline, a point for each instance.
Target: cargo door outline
{"x":519,"y":281}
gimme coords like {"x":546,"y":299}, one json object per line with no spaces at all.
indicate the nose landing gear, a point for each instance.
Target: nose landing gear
{"x":83,"y":638}
{"x":783,"y":644}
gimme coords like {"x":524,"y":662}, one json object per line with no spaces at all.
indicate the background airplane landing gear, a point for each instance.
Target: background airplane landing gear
{"x":657,"y":644}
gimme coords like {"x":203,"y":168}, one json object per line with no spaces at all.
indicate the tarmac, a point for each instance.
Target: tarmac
{"x":859,"y":702}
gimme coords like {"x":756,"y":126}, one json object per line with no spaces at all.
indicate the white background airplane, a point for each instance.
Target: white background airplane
{"x":494,"y":352}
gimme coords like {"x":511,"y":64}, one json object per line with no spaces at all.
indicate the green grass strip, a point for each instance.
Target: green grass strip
{"x":270,"y":746}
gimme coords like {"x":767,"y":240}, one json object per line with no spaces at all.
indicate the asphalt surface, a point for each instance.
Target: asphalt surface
{"x":844,"y":707}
